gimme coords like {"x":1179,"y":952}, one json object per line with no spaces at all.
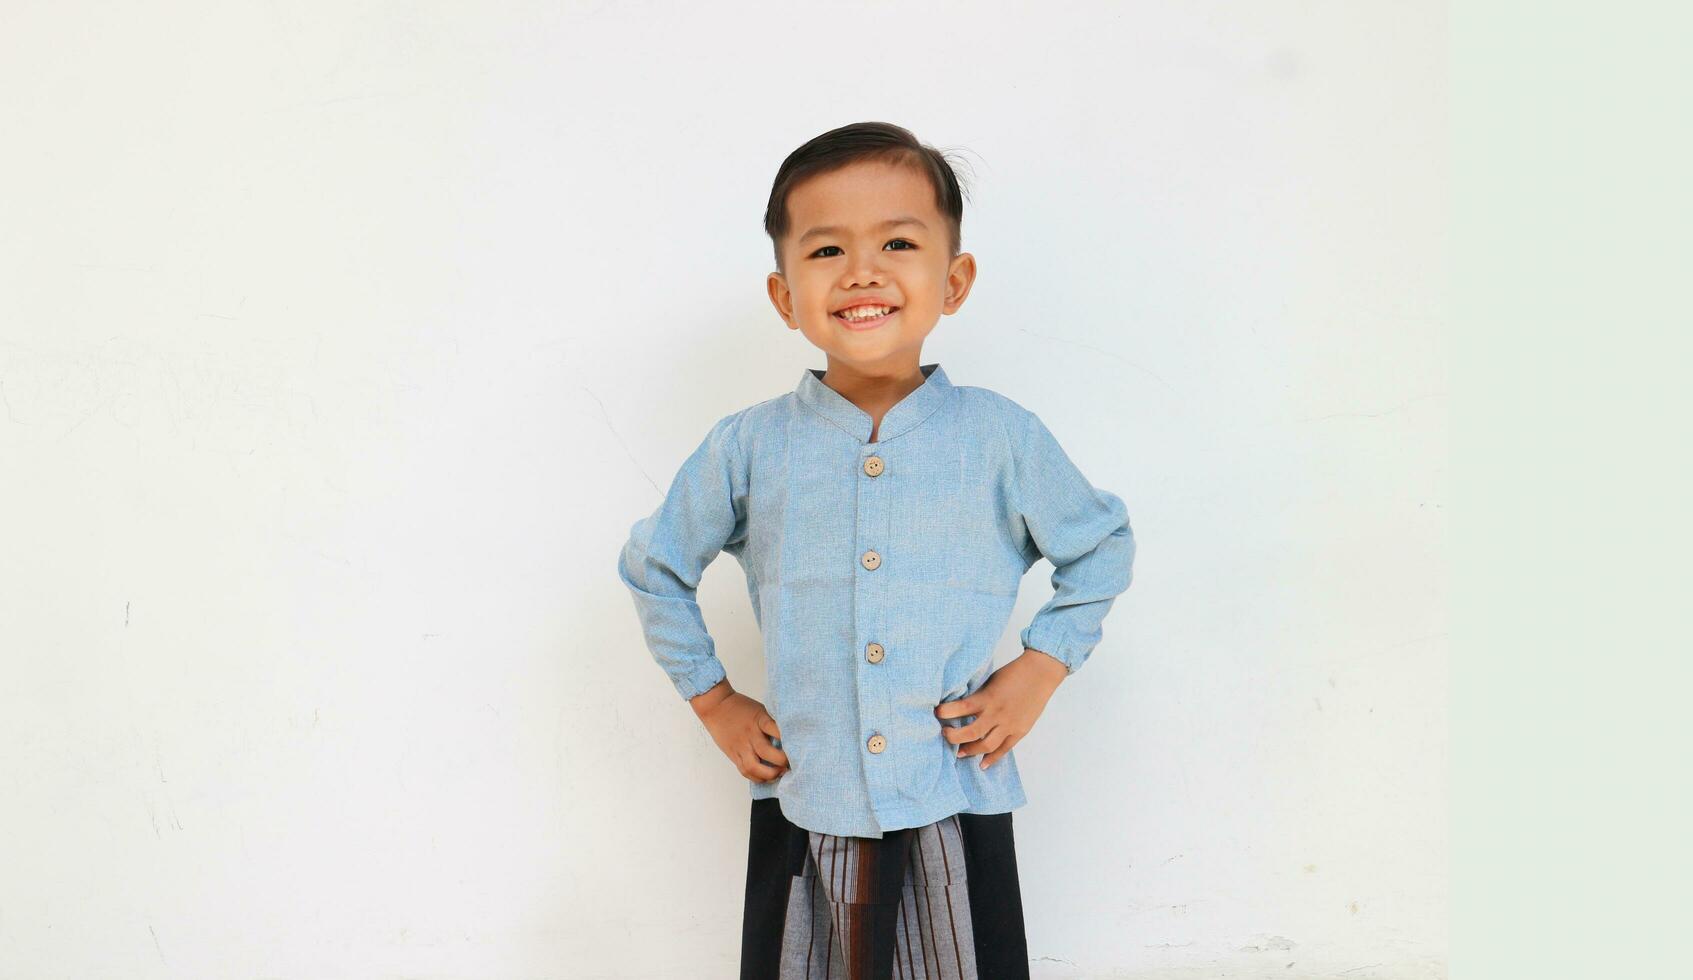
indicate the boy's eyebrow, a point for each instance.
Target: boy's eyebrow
{"x":904,"y":219}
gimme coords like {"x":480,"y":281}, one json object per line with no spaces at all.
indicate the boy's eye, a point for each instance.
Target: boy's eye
{"x":819,"y":252}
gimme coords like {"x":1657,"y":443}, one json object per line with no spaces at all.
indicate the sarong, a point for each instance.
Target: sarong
{"x":938,"y":902}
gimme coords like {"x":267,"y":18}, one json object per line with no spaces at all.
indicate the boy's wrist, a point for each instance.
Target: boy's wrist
{"x":703,"y":703}
{"x":1047,"y":663}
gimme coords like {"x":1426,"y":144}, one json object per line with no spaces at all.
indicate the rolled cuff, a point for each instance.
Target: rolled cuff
{"x":693,"y":682}
{"x":1051,"y":639}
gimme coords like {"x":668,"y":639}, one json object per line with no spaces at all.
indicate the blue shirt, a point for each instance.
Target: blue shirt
{"x":882,"y":575}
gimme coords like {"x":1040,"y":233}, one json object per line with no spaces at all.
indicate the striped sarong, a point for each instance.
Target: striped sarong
{"x":938,"y":902}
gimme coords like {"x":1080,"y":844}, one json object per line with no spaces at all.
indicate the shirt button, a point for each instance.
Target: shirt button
{"x":871,"y":560}
{"x":873,"y":466}
{"x":873,"y":652}
{"x":877,"y":743}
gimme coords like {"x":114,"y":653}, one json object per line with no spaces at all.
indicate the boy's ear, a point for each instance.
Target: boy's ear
{"x":782,"y":298}
{"x":960,"y":277}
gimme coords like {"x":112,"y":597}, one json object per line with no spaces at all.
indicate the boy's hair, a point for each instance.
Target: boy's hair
{"x":865,"y":141}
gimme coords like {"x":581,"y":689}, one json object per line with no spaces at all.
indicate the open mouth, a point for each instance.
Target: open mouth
{"x":865,"y":317}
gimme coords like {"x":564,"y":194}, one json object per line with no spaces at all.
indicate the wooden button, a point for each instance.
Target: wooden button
{"x":873,"y":466}
{"x":873,"y":652}
{"x":871,"y":560}
{"x":877,"y":743}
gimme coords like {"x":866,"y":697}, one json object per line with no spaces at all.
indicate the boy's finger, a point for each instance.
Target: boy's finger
{"x":1004,"y":747}
{"x":771,"y":754}
{"x":765,"y":773}
{"x":955,"y":709}
{"x":965,"y":733}
{"x":977,"y":742}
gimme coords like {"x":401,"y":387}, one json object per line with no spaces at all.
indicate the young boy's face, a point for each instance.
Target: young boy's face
{"x":843,"y":248}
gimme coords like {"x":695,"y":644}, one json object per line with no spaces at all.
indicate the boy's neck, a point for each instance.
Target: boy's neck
{"x":875,"y":391}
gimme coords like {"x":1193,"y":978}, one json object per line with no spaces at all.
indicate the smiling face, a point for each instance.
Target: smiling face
{"x":868,"y":236}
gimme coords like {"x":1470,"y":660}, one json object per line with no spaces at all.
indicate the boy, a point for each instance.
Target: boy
{"x":884,"y":518}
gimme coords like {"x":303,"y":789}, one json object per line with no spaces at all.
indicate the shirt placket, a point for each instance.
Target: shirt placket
{"x":870,"y":602}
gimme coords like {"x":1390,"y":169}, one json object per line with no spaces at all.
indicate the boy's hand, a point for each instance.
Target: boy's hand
{"x":742,"y":728}
{"x":1005,"y":706}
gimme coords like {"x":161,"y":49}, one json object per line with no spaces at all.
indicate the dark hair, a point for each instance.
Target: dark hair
{"x":865,"y":141}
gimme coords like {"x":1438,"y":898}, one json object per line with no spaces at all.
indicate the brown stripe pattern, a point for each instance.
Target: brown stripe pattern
{"x":890,"y":908}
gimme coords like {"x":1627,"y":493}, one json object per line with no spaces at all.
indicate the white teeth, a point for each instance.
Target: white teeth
{"x":866,"y":312}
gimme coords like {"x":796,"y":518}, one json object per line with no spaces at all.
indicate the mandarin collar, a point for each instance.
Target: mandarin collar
{"x":917,"y":405}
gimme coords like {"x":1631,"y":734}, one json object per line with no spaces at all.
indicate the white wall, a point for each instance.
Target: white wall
{"x":340,"y":345}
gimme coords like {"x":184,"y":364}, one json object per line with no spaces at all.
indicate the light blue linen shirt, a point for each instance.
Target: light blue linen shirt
{"x":882,"y":575}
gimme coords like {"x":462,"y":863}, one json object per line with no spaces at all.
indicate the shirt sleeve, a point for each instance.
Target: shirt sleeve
{"x":1082,"y":530}
{"x":668,"y":551}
